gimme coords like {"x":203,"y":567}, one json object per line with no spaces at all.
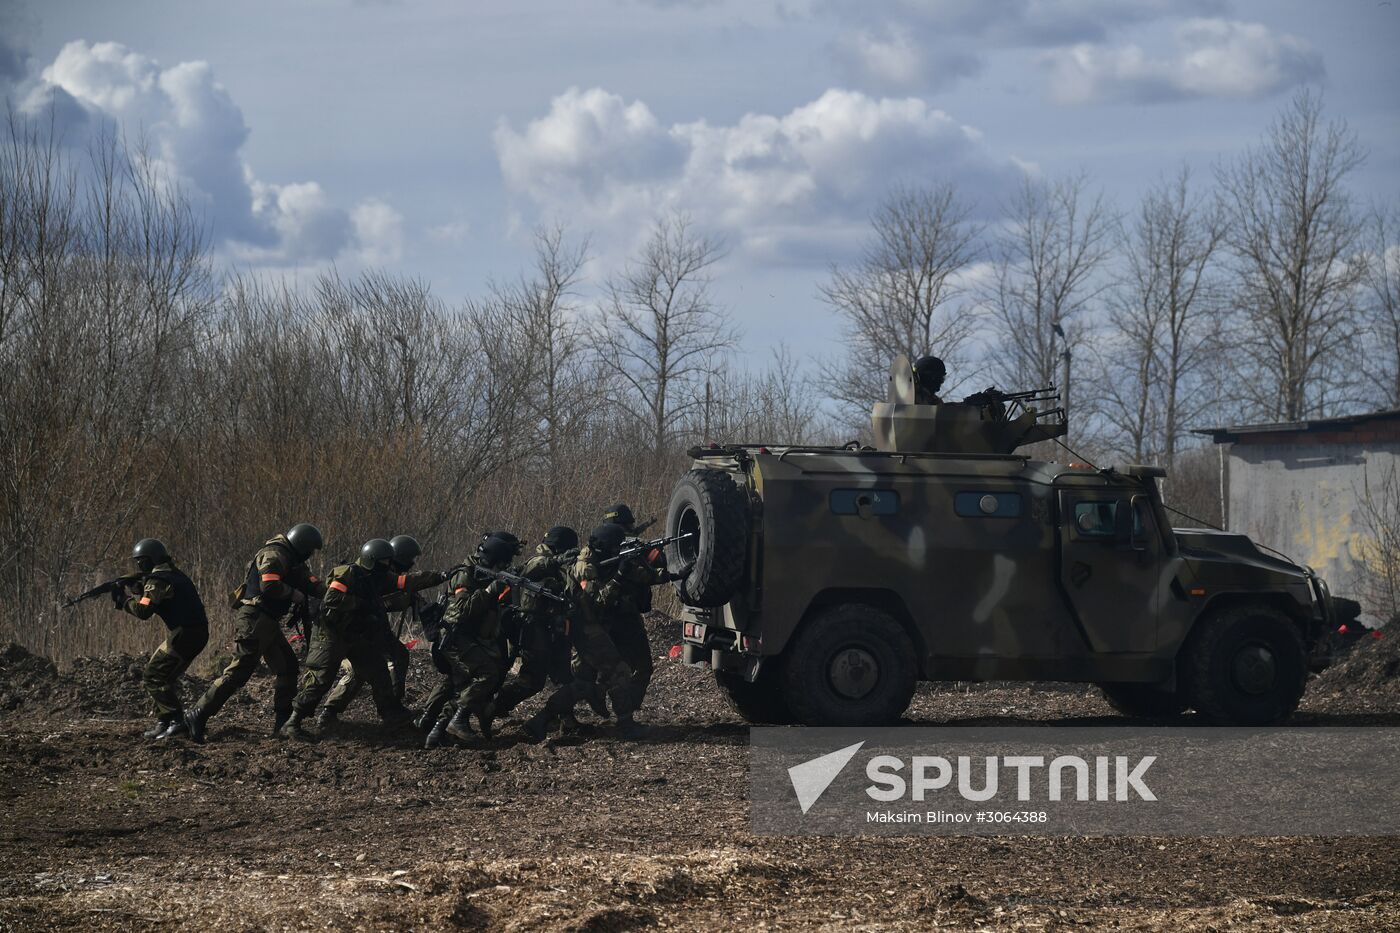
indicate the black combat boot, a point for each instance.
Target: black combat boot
{"x":629,"y":728}
{"x":460,"y":727}
{"x":158,"y":729}
{"x":536,"y":728}
{"x":484,"y":719}
{"x":176,"y":728}
{"x":292,"y":728}
{"x":568,"y":724}
{"x":426,"y":721}
{"x":597,"y":702}
{"x":437,"y":734}
{"x":326,"y":719}
{"x":397,"y":715}
{"x":194,"y":725}
{"x":279,"y":719}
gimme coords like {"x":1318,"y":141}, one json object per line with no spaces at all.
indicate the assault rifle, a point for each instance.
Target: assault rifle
{"x":300,"y":618}
{"x":643,"y":547}
{"x":116,"y":585}
{"x":510,"y":579}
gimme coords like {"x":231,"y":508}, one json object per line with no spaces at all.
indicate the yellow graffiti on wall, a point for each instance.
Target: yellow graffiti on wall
{"x":1323,"y":534}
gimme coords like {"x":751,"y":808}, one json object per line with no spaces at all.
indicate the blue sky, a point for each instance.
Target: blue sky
{"x":429,"y":136}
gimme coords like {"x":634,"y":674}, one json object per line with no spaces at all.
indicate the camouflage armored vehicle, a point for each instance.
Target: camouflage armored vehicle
{"x":827,"y":581}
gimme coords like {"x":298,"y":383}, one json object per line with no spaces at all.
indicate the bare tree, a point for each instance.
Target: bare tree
{"x":659,"y":331}
{"x":1056,"y":238}
{"x":900,"y":296}
{"x":1382,"y":364}
{"x":1294,"y":236}
{"x":543,"y":307}
{"x":1163,"y":330}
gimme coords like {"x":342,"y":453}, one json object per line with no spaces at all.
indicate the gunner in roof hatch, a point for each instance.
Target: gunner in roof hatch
{"x":929,"y":373}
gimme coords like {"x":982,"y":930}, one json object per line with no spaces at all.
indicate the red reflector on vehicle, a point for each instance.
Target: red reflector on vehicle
{"x":1341,"y":630}
{"x":675,"y":652}
{"x":1198,"y":592}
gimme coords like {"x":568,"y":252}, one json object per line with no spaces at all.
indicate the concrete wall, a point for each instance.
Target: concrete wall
{"x":1303,"y":500}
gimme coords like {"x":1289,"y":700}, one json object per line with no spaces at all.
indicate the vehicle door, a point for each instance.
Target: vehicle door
{"x":1111,"y":559}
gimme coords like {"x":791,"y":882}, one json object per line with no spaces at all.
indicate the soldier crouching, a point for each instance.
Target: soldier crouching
{"x":167,"y":592}
{"x":345,"y":629}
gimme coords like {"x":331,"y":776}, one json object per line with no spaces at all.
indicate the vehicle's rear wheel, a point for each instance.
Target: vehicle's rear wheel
{"x":1244,"y":666}
{"x":852,"y":665}
{"x":708,"y":506}
{"x":759,"y":702}
{"x":1143,"y":701}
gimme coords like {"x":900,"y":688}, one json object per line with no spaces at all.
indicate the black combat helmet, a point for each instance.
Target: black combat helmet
{"x":497,"y":550}
{"x":508,"y":540}
{"x":560,"y":539}
{"x":406,"y":550}
{"x":374,"y":552}
{"x":929,"y":373}
{"x":606,"y":540}
{"x":621,"y":515}
{"x":149,"y":552}
{"x":305,"y":539}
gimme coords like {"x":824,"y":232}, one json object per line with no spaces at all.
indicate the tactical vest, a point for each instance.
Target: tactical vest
{"x":252,"y":583}
{"x":184,"y":608}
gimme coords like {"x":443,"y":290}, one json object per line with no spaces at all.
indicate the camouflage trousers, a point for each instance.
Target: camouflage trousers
{"x":598,"y":667}
{"x":544,"y":656}
{"x":256,"y":637}
{"x":629,"y":634}
{"x":349,"y":685}
{"x":181,"y":646}
{"x":329,"y":647}
{"x":477,"y":670}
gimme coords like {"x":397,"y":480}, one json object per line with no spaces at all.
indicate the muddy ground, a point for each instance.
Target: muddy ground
{"x":364,"y":830}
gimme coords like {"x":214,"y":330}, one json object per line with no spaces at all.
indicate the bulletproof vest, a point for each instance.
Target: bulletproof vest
{"x":638,"y":593}
{"x":184,"y":608}
{"x":252,"y":583}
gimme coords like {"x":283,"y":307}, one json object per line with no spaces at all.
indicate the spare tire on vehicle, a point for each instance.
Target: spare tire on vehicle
{"x":708,"y":506}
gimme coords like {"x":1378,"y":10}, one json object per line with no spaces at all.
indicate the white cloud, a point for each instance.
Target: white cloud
{"x":1212,"y":58}
{"x":454,"y":231}
{"x":784,"y":186}
{"x":194,"y":131}
{"x":379,"y":232}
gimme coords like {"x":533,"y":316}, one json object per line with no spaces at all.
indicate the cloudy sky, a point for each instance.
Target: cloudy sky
{"x":429,"y":136}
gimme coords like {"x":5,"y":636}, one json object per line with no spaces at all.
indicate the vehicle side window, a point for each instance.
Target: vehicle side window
{"x":864,"y":501}
{"x":982,"y":504}
{"x":1094,"y":519}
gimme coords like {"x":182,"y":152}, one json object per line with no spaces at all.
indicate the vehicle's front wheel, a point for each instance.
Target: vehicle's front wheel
{"x":852,"y":665}
{"x":1245,"y":666}
{"x":1143,"y":701}
{"x":760,"y":702}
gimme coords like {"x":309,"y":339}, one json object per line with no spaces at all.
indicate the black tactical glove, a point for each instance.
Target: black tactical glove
{"x":119,"y":598}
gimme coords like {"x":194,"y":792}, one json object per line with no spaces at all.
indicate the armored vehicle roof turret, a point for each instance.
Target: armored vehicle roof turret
{"x":989,"y":422}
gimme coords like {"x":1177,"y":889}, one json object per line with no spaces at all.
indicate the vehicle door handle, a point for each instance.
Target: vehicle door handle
{"x":1080,"y":573}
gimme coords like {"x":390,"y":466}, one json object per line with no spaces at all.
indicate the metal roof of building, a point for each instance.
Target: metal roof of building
{"x":1388,"y":421}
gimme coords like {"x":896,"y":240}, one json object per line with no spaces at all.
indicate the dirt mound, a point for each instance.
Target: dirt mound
{"x":32,"y":686}
{"x":1371,"y":667}
{"x":24,"y":678}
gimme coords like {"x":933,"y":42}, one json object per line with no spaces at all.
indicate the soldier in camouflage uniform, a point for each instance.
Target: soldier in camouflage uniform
{"x":598,"y":667}
{"x":346,"y":629}
{"x":276,"y":577}
{"x":167,"y":592}
{"x":543,"y":638}
{"x":472,"y":645}
{"x":406,"y":552}
{"x":636,"y":575}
